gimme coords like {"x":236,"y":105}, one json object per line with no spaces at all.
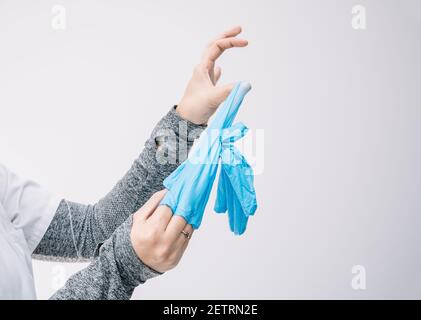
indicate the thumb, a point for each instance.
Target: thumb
{"x":222,"y":92}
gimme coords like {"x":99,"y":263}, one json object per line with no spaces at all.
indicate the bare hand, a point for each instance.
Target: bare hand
{"x":157,"y":236}
{"x":202,"y":97}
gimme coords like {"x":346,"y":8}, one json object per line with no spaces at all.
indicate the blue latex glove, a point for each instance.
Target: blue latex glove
{"x":189,"y":186}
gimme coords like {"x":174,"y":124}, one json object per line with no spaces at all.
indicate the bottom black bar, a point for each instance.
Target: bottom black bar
{"x":212,"y":309}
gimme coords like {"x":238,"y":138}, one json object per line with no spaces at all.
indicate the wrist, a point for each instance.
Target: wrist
{"x":192,"y":113}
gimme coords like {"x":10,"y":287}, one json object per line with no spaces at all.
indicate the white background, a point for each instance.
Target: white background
{"x":340,"y":109}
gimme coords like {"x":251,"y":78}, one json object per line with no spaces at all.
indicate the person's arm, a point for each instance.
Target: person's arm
{"x":154,"y":240}
{"x":151,"y":238}
{"x":114,"y":273}
{"x":77,"y":229}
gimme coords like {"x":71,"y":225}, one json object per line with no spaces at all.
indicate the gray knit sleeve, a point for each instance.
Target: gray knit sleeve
{"x":114,"y":274}
{"x":77,"y":229}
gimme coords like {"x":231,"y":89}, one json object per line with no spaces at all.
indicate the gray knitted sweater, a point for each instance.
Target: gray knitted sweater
{"x":101,"y":232}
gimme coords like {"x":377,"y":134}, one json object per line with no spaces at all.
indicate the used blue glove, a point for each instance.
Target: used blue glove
{"x":190,"y":185}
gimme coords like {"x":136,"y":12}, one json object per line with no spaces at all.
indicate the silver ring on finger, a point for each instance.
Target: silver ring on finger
{"x":186,"y":234}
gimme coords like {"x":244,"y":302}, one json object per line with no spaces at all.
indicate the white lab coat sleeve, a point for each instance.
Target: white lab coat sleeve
{"x":29,"y":207}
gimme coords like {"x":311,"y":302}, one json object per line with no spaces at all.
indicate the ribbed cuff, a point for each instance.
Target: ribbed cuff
{"x":170,"y":142}
{"x":173,"y":120}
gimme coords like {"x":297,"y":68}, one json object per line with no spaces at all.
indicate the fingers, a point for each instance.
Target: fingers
{"x":185,"y":244}
{"x":235,"y":31}
{"x":161,"y":217}
{"x":180,"y":245}
{"x":174,"y":228}
{"x":222,"y":92}
{"x":149,"y":207}
{"x":217,"y":75}
{"x":215,"y":50}
{"x":182,"y":240}
{"x":188,"y":229}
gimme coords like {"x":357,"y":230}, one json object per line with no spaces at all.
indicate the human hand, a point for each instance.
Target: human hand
{"x":202,"y":97}
{"x":159,"y":238}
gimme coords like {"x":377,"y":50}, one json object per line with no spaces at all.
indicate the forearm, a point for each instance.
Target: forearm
{"x":114,"y":274}
{"x":77,"y":229}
